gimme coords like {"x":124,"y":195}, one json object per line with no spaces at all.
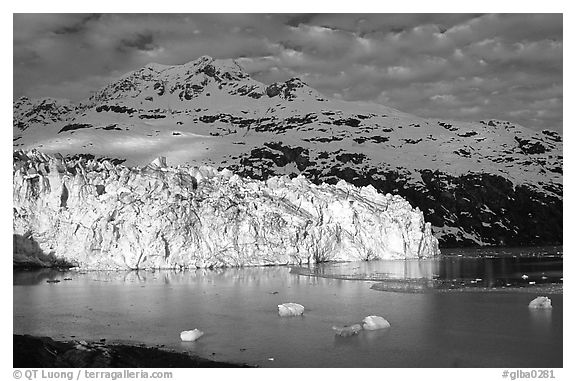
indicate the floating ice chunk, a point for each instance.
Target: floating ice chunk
{"x":192,"y":335}
{"x":346,"y":331}
{"x":541,"y":302}
{"x":371,"y":323}
{"x":290,"y":309}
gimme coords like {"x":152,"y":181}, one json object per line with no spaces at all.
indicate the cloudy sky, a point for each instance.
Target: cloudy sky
{"x":452,"y":66}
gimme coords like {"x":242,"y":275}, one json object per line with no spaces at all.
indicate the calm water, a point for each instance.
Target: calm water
{"x":462,"y":269}
{"x":237,"y":310}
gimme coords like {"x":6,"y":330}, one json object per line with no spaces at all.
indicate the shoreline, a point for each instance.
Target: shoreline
{"x":432,"y":286}
{"x":21,"y":265}
{"x":413,"y":287}
{"x":44,"y":352}
{"x":406,"y":285}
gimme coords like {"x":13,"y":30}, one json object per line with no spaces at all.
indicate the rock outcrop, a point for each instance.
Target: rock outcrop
{"x":40,"y":111}
{"x":43,"y":352}
{"x":95,"y":214}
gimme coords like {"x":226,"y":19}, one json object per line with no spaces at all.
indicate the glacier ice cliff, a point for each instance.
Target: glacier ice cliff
{"x":99,"y":215}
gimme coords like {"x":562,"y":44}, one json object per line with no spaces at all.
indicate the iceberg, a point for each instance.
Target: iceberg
{"x":290,"y":309}
{"x":191,"y":335}
{"x":541,"y":302}
{"x":371,"y":323}
{"x":346,"y":330}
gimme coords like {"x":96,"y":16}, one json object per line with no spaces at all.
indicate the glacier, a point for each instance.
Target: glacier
{"x":98,"y":214}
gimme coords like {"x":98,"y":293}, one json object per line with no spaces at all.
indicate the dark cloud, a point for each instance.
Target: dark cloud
{"x":76,"y":26}
{"x":295,"y":20}
{"x":141,"y":41}
{"x":459,"y":66}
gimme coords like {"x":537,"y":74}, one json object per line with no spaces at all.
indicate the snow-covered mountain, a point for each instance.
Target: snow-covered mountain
{"x":491,"y":182}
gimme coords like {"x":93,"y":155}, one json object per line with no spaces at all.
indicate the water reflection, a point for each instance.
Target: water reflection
{"x":239,"y":276}
{"x":374,"y":336}
{"x":350,"y":342}
{"x":237,"y":311}
{"x":541,"y":318}
{"x":36,"y":276}
{"x":447,"y":271}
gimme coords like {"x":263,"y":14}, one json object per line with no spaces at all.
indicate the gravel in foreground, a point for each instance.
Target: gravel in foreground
{"x":43,"y":352}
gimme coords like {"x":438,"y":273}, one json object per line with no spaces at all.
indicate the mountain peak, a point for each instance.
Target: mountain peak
{"x":292,"y":89}
{"x":204,"y":77}
{"x":217,"y":68}
{"x":156,"y":67}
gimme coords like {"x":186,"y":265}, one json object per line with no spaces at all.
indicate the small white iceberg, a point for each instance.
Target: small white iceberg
{"x":290,"y":309}
{"x":371,"y":323}
{"x":541,"y":303}
{"x":347,"y":330}
{"x":192,"y":335}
